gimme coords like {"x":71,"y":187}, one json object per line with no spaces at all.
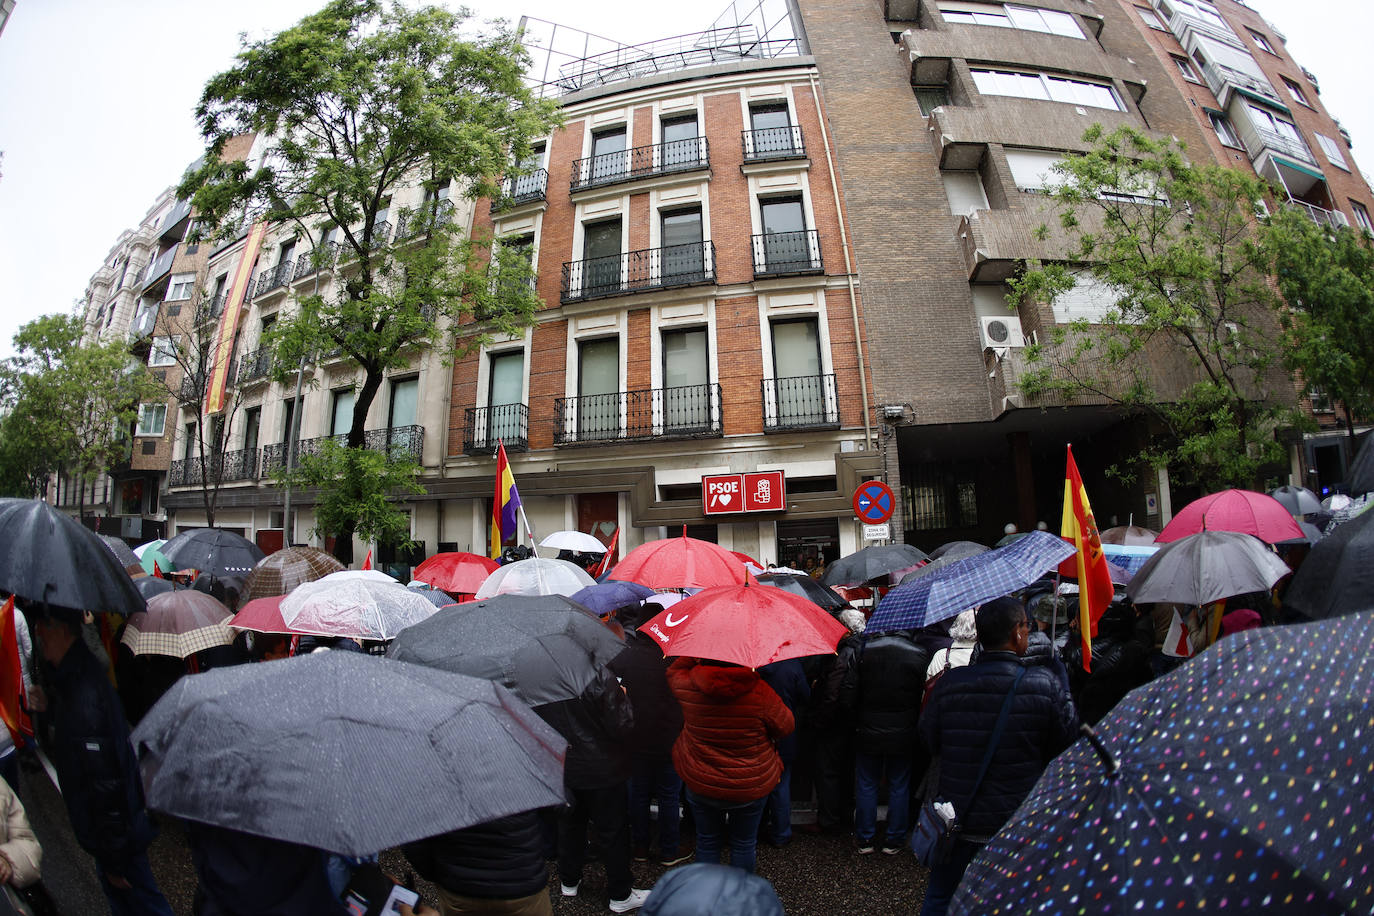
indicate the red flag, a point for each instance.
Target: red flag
{"x":1094,"y":580}
{"x":157,"y":570}
{"x":367,"y":560}
{"x":608,"y":559}
{"x":12,"y":697}
{"x":1178,"y":644}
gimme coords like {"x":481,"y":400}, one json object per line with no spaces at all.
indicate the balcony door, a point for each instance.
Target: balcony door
{"x":686,"y":381}
{"x":341,"y":419}
{"x":252,"y":424}
{"x":799,"y":397}
{"x":598,"y":388}
{"x":505,"y":390}
{"x":601,"y":257}
{"x":401,"y":412}
{"x":610,"y":161}
{"x":785,"y":246}
{"x":771,"y":130}
{"x":681,"y":143}
{"x":681,"y":235}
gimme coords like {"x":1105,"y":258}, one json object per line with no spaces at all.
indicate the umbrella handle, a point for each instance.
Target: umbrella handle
{"x":1113,"y":768}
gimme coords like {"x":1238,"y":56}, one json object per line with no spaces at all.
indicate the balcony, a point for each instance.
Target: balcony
{"x":640,"y":162}
{"x":689,"y":411}
{"x":801,"y":402}
{"x":1180,"y":23}
{"x":159,"y":268}
{"x":398,"y":440}
{"x":1332,"y":219}
{"x":226,"y":467}
{"x":174,"y":226}
{"x":639,"y":271}
{"x":782,"y":254}
{"x":1222,"y":80}
{"x":189,"y":392}
{"x":518,"y":190}
{"x":381,"y":234}
{"x":254,"y":366}
{"x":321,"y":258}
{"x":414,"y":223}
{"x":274,"y":278}
{"x":773,"y":143}
{"x":485,"y":427}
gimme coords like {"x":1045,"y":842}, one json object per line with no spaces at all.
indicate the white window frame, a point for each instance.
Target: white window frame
{"x":164,"y":351}
{"x":1362,"y":216}
{"x":1295,"y":91}
{"x":1261,"y":41}
{"x":1203,"y":11}
{"x":1225,"y":131}
{"x":1331,"y":148}
{"x":1012,"y":16}
{"x":1186,"y":68}
{"x":147,"y":413}
{"x":1053,"y":88}
{"x":1152,"y":19}
{"x":180,"y":287}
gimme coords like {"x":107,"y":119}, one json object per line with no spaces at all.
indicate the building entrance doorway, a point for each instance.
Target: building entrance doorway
{"x":808,"y":544}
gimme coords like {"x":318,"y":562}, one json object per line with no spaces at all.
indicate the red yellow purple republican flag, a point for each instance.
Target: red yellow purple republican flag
{"x":505,"y":508}
{"x":1094,"y":579}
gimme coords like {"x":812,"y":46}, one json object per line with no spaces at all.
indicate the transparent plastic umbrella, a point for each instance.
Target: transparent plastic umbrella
{"x":354,"y":607}
{"x":536,"y":576}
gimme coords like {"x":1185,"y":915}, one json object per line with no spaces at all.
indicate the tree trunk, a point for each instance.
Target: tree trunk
{"x":357,"y":438}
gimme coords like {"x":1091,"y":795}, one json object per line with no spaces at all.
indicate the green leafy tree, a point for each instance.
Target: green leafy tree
{"x":1192,"y":338}
{"x":364,"y":484}
{"x":361,"y":100}
{"x":1327,"y":276}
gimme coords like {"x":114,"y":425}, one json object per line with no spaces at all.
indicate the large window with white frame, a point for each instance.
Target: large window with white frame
{"x":1033,"y":169}
{"x":1362,"y":216}
{"x":1050,"y":87}
{"x":1201,"y":10}
{"x":1225,"y":132}
{"x":1010,"y":16}
{"x":1332,"y":150}
{"x":164,"y":351}
{"x":152,"y":420}
{"x":180,"y":287}
{"x":505,"y":398}
{"x":1267,"y":122}
{"x":598,"y":388}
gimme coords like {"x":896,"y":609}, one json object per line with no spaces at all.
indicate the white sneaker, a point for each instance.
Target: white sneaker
{"x":569,"y":890}
{"x":633,"y":902}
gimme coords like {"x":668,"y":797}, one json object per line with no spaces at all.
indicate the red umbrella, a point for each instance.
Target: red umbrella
{"x":261,"y":615}
{"x":1233,"y":510}
{"x":455,"y":571}
{"x":749,"y":561}
{"x":749,"y":625}
{"x":680,"y":562}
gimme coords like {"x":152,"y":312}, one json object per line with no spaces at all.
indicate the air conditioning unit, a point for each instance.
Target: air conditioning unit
{"x":1002,"y":332}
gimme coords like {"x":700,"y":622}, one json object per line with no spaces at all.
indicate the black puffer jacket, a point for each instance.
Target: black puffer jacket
{"x":643,"y":672}
{"x":959,"y":721}
{"x":243,"y":875}
{"x":95,"y":763}
{"x":596,"y":726}
{"x":499,"y":860}
{"x":891,"y":680}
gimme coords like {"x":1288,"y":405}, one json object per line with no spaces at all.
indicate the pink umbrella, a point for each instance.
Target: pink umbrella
{"x":1233,"y":510}
{"x":456,"y":571}
{"x":680,"y":562}
{"x":261,"y":615}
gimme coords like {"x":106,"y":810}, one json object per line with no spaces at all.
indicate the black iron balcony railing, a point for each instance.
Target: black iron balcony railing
{"x":485,"y":427}
{"x":397,"y":440}
{"x":274,"y":277}
{"x":779,"y":254}
{"x":640,"y":162}
{"x":189,"y":391}
{"x":255,"y":365}
{"x":522,"y":189}
{"x":773,"y":143}
{"x":381,"y":234}
{"x":415,"y":223}
{"x":801,"y":402}
{"x":636,"y":271}
{"x":652,"y":413}
{"x":226,"y":467}
{"x":321,"y":258}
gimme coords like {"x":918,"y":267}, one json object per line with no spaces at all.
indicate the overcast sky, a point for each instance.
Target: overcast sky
{"x":98,"y":99}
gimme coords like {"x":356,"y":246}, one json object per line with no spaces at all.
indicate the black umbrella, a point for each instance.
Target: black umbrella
{"x":49,"y":558}
{"x":345,"y":752}
{"x":958,"y":548}
{"x":122,"y":551}
{"x":871,"y":563}
{"x":1338,"y":575}
{"x":1360,"y":477}
{"x":148,"y":586}
{"x":807,"y":587}
{"x":544,"y":648}
{"x":1239,"y":781}
{"x":213,"y":551}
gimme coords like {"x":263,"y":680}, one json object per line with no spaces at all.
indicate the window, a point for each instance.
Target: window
{"x":514,"y":265}
{"x":252,"y":424}
{"x":686,"y":380}
{"x":931,"y":98}
{"x":402,"y":411}
{"x":164,"y":352}
{"x":505,"y":391}
{"x":681,"y":237}
{"x":1269,"y":123}
{"x":1044,"y":86}
{"x":681,"y":147}
{"x":598,"y":387}
{"x":1090,"y":300}
{"x":1033,"y":169}
{"x":1151,"y":18}
{"x":799,"y":393}
{"x":601,"y":257}
{"x":180,"y":287}
{"x":1321,"y":401}
{"x":1007,"y":16}
{"x":341,"y":418}
{"x":527,"y":184}
{"x":1361,"y":216}
{"x":1263,"y":44}
{"x":1332,"y":150}
{"x":965,"y":192}
{"x":786,"y":246}
{"x":1296,"y":92}
{"x":771,"y":132}
{"x":941,"y":495}
{"x":152,"y":419}
{"x":609,"y":158}
{"x":1185,"y":68}
{"x":1203,"y":11}
{"x":1225,"y":132}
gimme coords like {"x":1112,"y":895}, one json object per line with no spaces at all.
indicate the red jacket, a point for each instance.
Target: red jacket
{"x":731,"y":720}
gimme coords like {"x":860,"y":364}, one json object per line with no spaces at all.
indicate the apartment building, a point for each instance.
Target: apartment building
{"x":946,"y":117}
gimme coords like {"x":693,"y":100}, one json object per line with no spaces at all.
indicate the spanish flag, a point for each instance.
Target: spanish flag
{"x":1094,"y":581}
{"x":11,"y":678}
{"x":505,"y":508}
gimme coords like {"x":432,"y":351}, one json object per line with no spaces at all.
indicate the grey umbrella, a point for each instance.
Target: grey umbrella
{"x":1337,"y":578}
{"x":544,"y":648}
{"x":1297,"y":500}
{"x":213,"y":551}
{"x":806,"y":587}
{"x":345,"y":752}
{"x":122,"y":551}
{"x":49,"y":558}
{"x":871,"y":563}
{"x":148,"y":586}
{"x":1206,"y":567}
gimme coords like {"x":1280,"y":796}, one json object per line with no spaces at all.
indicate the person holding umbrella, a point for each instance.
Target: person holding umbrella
{"x":96,"y":768}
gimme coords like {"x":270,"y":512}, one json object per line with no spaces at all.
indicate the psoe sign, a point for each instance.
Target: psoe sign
{"x":729,"y":494}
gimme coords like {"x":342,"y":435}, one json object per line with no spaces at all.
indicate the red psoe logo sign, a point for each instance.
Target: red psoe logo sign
{"x":731,"y":494}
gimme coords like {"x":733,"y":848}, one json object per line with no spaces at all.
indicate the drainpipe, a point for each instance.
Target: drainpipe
{"x":848,"y":265}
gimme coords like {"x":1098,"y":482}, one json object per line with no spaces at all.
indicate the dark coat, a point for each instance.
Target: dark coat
{"x":731,"y":720}
{"x":712,"y":890}
{"x":891,"y":682}
{"x":958,"y":723}
{"x":828,"y":709}
{"x":243,"y":875}
{"x":95,"y":763}
{"x":788,"y":680}
{"x":596,"y":725}
{"x":499,"y":860}
{"x":643,"y":672}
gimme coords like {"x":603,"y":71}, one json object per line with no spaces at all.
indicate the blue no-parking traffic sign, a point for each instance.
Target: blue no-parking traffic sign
{"x":874,"y":502}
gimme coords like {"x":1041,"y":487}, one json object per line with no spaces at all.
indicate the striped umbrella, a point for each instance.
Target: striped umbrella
{"x":178,"y":623}
{"x":280,"y":572}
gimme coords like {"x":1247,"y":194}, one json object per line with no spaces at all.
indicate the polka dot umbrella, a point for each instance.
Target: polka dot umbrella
{"x":1242,"y":781}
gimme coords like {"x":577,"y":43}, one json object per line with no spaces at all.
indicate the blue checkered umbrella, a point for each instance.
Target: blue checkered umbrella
{"x":970,"y":582}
